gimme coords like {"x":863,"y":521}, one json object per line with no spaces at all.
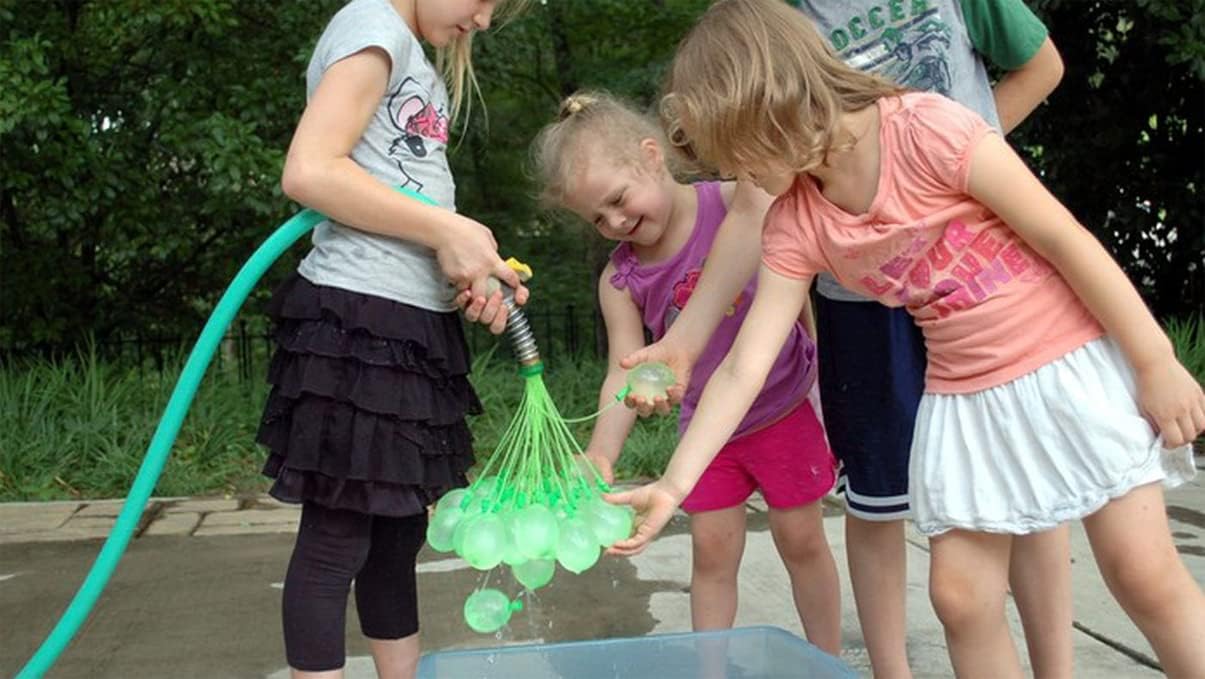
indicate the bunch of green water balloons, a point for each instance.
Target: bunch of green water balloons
{"x":534,"y":505}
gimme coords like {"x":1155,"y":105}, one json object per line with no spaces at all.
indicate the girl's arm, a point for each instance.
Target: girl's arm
{"x":1168,"y":395}
{"x":1023,"y":89}
{"x":1013,"y":38}
{"x":732,"y":261}
{"x":320,"y":174}
{"x":726,"y":399}
{"x":625,"y":333}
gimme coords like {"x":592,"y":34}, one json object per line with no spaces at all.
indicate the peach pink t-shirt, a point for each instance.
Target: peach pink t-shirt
{"x":991,"y":309}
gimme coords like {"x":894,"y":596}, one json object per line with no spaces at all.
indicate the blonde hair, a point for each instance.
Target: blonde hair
{"x":589,"y":122}
{"x":455,"y":62}
{"x":754,"y":80}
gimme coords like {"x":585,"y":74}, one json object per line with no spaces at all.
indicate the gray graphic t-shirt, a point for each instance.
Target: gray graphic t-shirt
{"x":404,"y":144}
{"x":927,"y":45}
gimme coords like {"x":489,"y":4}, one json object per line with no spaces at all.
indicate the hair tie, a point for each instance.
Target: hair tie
{"x":574,"y":104}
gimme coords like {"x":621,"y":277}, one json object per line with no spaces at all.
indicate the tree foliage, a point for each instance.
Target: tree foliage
{"x":1122,"y":141}
{"x":141,"y":144}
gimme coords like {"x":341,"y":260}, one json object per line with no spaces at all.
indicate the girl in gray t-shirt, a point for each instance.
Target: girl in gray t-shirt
{"x":365,"y":423}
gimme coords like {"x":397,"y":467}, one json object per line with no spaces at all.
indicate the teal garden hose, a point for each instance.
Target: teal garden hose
{"x":165,"y":435}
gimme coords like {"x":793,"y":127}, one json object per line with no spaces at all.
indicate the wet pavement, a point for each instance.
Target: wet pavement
{"x":198,"y":592}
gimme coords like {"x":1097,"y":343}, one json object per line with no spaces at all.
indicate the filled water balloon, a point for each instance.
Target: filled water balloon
{"x":535,"y":530}
{"x":534,"y":573}
{"x":452,"y":498}
{"x":486,"y":486}
{"x":442,"y":528}
{"x":511,"y":554}
{"x":576,"y":547}
{"x":484,"y":541}
{"x":650,"y":380}
{"x":609,"y":523}
{"x":462,"y":528}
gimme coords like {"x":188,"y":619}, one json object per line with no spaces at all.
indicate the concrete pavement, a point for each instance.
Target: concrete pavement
{"x":197,"y":593}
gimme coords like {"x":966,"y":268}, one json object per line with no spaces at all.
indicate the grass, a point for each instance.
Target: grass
{"x":79,"y":428}
{"x":1188,"y":337}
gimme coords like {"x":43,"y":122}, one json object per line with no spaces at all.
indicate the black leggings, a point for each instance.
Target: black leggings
{"x":335,"y":546}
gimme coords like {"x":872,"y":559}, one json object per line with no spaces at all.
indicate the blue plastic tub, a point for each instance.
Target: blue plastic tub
{"x":744,"y":653}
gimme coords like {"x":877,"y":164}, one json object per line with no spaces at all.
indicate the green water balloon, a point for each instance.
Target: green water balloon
{"x":485,"y":487}
{"x":511,"y":554}
{"x":650,"y":380}
{"x":536,"y":531}
{"x":534,"y":573}
{"x":453,"y":498}
{"x":466,"y":520}
{"x":487,"y":610}
{"x":484,"y":541}
{"x":576,"y":547}
{"x":442,"y":528}
{"x":609,"y":523}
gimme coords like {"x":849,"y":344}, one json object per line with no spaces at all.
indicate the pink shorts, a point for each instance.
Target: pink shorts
{"x":789,"y":461}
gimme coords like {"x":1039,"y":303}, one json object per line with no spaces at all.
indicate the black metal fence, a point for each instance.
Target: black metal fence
{"x":565,"y":333}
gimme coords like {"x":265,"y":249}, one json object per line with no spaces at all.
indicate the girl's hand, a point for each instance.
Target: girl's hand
{"x":678,"y":360}
{"x":481,"y":306}
{"x":1172,"y":401}
{"x":654,"y":504}
{"x":468,"y":254}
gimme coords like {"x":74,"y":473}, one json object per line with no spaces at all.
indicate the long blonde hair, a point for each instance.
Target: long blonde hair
{"x":754,"y":80}
{"x":455,"y":62}
{"x":588,"y":122}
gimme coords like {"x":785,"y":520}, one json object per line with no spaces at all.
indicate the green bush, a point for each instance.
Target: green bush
{"x":79,"y":428}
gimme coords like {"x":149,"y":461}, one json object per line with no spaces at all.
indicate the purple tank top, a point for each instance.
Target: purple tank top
{"x":661,"y":291}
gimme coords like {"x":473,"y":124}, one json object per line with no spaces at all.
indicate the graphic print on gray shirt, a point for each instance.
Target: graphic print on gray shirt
{"x":920,"y":44}
{"x":405,"y":144}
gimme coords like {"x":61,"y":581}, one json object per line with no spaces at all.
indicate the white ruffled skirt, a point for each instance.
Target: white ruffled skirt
{"x":1048,"y":447}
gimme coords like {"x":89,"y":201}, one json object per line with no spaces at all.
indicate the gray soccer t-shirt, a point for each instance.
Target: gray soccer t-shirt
{"x":920,"y":44}
{"x":404,"y":144}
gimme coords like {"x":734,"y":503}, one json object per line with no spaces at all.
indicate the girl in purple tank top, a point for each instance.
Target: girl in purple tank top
{"x":605,"y":163}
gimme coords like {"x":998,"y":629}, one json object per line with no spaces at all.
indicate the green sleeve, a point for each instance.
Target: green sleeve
{"x":1007,"y":32}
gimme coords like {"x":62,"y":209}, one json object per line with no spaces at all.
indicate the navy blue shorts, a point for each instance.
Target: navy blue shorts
{"x":872,"y":376}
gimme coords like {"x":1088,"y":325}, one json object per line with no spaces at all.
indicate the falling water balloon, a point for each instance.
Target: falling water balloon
{"x":487,"y":610}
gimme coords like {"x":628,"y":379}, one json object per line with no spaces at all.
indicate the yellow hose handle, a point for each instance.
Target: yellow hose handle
{"x":520,"y":268}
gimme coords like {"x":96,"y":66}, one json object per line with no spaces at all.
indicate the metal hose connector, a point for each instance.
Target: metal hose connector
{"x":518,"y":330}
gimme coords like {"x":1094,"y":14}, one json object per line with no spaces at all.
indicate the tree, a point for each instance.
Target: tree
{"x":142,"y":145}
{"x":1122,"y":141}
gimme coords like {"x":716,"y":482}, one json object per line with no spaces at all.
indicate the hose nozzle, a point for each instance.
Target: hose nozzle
{"x":518,"y":330}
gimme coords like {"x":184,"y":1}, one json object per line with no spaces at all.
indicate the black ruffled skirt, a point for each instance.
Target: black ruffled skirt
{"x":368,"y":402}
